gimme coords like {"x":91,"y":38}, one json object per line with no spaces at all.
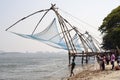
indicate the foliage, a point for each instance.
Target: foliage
{"x":111,"y":29}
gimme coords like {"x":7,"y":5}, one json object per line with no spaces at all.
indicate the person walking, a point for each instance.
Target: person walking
{"x":112,"y":60}
{"x":72,"y":67}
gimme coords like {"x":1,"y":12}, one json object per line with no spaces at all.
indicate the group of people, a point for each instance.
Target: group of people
{"x":103,"y":59}
{"x":108,"y":58}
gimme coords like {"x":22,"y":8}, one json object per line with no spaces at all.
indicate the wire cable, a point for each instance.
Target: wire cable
{"x":78,"y":19}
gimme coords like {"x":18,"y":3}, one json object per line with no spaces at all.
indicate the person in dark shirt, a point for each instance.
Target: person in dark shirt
{"x":72,"y":67}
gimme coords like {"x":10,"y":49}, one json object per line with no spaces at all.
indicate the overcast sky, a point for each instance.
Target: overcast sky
{"x":90,"y":11}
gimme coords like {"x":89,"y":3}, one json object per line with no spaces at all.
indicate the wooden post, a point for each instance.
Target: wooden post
{"x":82,"y":57}
{"x":69,"y":57}
{"x":86,"y":57}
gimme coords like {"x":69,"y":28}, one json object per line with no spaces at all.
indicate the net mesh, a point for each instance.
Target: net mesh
{"x":52,"y":36}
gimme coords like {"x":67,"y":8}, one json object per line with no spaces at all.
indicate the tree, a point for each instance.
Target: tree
{"x":110,"y":29}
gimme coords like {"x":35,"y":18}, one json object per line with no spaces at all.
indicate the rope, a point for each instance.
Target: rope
{"x":82,"y":22}
{"x":78,"y":19}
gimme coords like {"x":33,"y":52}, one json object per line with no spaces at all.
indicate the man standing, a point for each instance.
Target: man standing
{"x":112,"y":60}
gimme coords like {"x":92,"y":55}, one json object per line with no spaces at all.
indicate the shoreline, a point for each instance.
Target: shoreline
{"x":93,"y":73}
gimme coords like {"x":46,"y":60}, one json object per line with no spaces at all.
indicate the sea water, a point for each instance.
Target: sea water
{"x":34,"y":66}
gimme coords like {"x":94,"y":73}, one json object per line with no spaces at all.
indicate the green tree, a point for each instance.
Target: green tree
{"x":110,"y":29}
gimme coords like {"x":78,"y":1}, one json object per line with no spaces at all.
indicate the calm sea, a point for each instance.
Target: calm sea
{"x":34,"y":66}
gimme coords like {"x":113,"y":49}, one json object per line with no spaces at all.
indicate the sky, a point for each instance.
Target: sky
{"x":91,"y":12}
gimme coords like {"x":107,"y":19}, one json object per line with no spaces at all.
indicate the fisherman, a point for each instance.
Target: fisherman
{"x":72,"y":67}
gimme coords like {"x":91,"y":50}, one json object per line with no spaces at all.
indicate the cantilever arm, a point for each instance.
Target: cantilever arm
{"x":40,"y":21}
{"x":26,"y":17}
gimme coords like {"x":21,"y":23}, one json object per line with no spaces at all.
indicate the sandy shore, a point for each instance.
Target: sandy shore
{"x":93,"y":73}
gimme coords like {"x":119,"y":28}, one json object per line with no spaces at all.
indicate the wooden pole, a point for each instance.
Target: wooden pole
{"x":69,"y":57}
{"x":66,"y":34}
{"x":82,"y":57}
{"x":86,"y":57}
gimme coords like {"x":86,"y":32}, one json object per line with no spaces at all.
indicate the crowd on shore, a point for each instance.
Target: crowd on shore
{"x":109,"y":59}
{"x":108,"y":63}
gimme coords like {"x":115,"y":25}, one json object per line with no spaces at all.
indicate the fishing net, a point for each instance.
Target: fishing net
{"x":51,"y":36}
{"x":91,"y":43}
